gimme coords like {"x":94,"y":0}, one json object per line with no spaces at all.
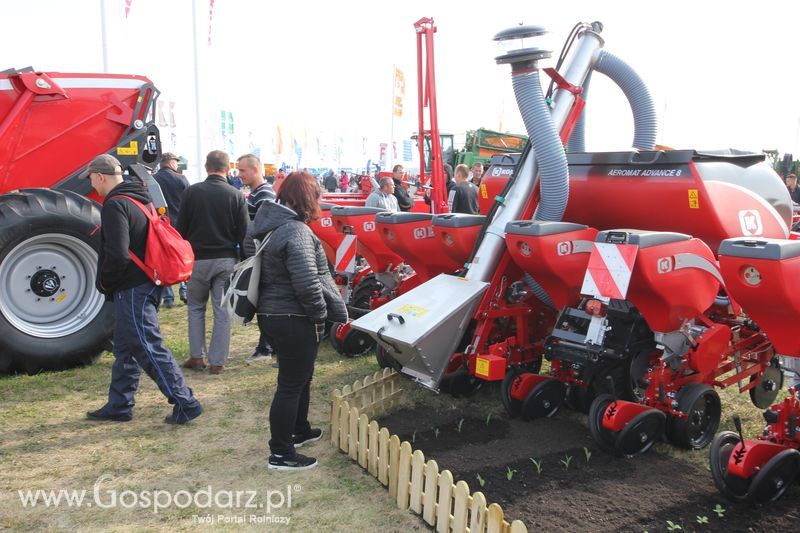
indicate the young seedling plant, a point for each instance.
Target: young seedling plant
{"x":436,"y":432}
{"x":537,"y":465}
{"x":413,"y":437}
{"x":720,"y":510}
{"x":488,"y":418}
{"x":509,"y":473}
{"x":702,"y":519}
{"x":672,"y":526}
{"x":460,"y":423}
{"x":481,"y":481}
{"x":587,"y":453}
{"x":566,"y":461}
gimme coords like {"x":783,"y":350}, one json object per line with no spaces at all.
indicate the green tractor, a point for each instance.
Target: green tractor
{"x":480,"y":146}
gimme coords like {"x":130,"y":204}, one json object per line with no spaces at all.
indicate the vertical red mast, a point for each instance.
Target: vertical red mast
{"x":426,"y":89}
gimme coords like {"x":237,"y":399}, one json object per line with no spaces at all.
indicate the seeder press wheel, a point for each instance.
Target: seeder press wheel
{"x":636,"y":436}
{"x":531,"y":395}
{"x":703,"y":408}
{"x":765,"y":486}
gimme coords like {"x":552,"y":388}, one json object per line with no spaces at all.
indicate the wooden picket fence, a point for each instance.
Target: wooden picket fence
{"x":413,"y":483}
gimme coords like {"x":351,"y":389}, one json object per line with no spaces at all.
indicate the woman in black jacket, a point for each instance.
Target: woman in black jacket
{"x":297,"y":294}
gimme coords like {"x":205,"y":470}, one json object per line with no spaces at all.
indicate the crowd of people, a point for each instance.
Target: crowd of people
{"x":297,"y":292}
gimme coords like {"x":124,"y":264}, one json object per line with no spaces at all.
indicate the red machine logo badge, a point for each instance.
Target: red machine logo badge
{"x":420,"y":233}
{"x":664,"y":265}
{"x":750,"y":222}
{"x":564,"y":248}
{"x":326,"y":222}
{"x":369,"y":226}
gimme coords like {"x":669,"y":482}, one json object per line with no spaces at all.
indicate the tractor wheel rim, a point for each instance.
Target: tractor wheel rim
{"x":47,"y":286}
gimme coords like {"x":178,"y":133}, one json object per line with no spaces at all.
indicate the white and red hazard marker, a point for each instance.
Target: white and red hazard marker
{"x":346,"y":255}
{"x":609,"y":271}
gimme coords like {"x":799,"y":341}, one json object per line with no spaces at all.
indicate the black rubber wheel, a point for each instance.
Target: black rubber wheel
{"x":512,"y":406}
{"x":460,"y":383}
{"x":638,"y":365}
{"x":604,"y":378}
{"x":732,"y":487}
{"x":51,"y":315}
{"x":604,"y":438}
{"x":763,"y":394}
{"x":543,"y":400}
{"x":639,"y":435}
{"x":774,"y":479}
{"x":385,"y":360}
{"x":702,"y":405}
{"x":356,"y":343}
{"x":334,"y":340}
{"x":363,"y":292}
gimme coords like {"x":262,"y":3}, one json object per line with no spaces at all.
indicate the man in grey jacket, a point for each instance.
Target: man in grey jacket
{"x":383,"y":197}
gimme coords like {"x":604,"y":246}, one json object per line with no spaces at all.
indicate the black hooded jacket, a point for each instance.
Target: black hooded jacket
{"x":293,"y":266}
{"x":123,"y":227}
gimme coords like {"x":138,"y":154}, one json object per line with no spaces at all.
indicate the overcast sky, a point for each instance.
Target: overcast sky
{"x":723,"y":74}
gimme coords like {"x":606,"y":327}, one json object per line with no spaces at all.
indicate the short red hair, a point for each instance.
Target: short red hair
{"x":301,"y":192}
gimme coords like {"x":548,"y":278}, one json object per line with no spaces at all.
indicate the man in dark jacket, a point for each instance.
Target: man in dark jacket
{"x":172,"y":186}
{"x":464,"y":195}
{"x":400,"y":192}
{"x":138,"y":343}
{"x":330,"y":183}
{"x":213,"y":218}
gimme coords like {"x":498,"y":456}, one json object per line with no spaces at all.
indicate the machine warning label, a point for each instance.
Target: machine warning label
{"x":484,"y":194}
{"x":413,"y":310}
{"x":481,"y":367}
{"x":131,"y":149}
{"x":694,"y":199}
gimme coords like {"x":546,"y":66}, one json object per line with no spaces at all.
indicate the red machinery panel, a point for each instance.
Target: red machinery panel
{"x":410,"y":235}
{"x":555,"y":254}
{"x":326,"y":231}
{"x":711,"y":197}
{"x":457,"y":234}
{"x":673,"y":279}
{"x":360,"y":221}
{"x":762,"y":276}
{"x":52,"y":124}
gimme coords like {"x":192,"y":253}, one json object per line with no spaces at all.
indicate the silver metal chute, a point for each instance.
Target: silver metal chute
{"x":422,"y":328}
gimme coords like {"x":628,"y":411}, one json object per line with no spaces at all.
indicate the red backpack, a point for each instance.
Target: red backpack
{"x":168,"y":257}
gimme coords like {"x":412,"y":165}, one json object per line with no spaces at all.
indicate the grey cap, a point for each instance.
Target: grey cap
{"x":166,"y":156}
{"x":104,"y":164}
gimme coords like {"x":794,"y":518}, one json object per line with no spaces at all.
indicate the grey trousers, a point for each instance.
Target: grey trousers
{"x":209,"y":277}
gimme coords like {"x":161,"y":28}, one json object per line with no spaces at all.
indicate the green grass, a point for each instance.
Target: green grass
{"x":46,"y":443}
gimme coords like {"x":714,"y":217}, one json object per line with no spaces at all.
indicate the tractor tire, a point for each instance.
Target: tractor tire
{"x":51,"y":315}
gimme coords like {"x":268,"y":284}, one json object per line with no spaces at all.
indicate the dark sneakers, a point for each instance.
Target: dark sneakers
{"x":291,"y":462}
{"x":102,"y":415}
{"x":313,"y":435}
{"x":180,"y":421}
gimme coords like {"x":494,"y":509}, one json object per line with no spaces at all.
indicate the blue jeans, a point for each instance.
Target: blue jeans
{"x":168,"y":294}
{"x":138,"y":345}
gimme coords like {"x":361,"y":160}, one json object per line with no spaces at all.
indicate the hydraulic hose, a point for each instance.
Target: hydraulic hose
{"x":550,"y":156}
{"x":547,"y":147}
{"x":644,"y":113}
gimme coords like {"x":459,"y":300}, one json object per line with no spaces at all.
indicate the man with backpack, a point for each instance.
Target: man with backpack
{"x":138,"y":344}
{"x":213,"y":217}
